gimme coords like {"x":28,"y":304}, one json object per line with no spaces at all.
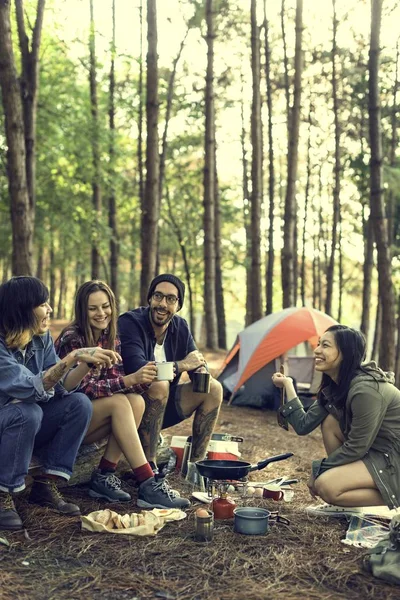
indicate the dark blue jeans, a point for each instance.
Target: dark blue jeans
{"x":51,"y":430}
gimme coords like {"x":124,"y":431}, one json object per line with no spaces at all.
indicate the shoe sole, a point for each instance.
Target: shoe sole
{"x":144,"y":504}
{"x":11,"y":527}
{"x":335,"y":515}
{"x":97,"y":495}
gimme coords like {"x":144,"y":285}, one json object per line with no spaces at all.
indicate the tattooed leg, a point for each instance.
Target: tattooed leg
{"x":203,"y":427}
{"x":155,"y":400}
{"x":206,"y":409}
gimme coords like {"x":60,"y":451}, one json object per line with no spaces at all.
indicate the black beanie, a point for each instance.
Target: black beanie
{"x":180,"y":286}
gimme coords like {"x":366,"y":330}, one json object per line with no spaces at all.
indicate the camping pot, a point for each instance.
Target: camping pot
{"x":234,"y":469}
{"x":251,"y":520}
{"x":201,"y":382}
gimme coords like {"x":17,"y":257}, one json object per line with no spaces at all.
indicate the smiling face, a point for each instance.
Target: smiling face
{"x":161,"y":312}
{"x":99,"y":312}
{"x":328,"y":357}
{"x":42,"y":313}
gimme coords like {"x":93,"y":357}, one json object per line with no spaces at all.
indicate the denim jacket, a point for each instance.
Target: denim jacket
{"x":21,"y":378}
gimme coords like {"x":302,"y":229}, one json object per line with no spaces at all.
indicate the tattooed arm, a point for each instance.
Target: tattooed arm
{"x":83,"y":360}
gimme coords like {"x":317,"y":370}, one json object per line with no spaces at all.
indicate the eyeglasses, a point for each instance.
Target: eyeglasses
{"x":170,"y":298}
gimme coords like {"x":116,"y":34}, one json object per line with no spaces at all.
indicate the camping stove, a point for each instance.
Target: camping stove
{"x":222,"y":505}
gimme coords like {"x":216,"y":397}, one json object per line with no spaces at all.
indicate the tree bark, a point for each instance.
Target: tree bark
{"x":288,"y":251}
{"x":330,"y":272}
{"x":378,"y":216}
{"x":150,"y":212}
{"x":256,"y":170}
{"x":246,"y":208}
{"x":306,"y":200}
{"x":219,"y":287}
{"x":269,"y":292}
{"x":112,"y":204}
{"x":95,"y":142}
{"x":19,"y":99}
{"x":210,"y":309}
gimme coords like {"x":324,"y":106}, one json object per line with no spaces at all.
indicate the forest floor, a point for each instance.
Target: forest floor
{"x":53,"y":559}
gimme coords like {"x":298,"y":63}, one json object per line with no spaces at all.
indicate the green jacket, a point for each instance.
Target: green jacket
{"x":370,"y":422}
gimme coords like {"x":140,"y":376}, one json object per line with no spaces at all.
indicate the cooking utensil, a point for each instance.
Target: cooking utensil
{"x":251,"y":520}
{"x":234,"y":469}
{"x":282,"y":422}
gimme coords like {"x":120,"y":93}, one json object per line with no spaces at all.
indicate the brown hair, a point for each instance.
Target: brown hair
{"x":81,"y":320}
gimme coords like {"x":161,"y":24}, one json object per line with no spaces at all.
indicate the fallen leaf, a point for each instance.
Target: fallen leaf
{"x":4,"y":541}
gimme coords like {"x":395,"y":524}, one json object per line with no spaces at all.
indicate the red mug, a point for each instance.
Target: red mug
{"x":273,"y":491}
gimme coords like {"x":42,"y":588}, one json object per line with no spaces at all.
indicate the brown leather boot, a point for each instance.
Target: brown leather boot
{"x":9,"y":518}
{"x":46,"y":493}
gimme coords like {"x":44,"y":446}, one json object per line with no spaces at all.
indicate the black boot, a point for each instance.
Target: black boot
{"x":9,"y":518}
{"x":46,"y":493}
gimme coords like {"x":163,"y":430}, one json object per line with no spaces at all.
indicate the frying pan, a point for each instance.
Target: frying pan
{"x":234,"y":469}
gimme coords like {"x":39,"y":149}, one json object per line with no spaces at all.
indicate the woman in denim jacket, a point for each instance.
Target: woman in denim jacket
{"x":358,"y":408}
{"x":39,"y":412}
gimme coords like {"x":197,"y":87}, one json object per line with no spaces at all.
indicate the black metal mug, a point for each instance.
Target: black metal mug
{"x":201,"y":382}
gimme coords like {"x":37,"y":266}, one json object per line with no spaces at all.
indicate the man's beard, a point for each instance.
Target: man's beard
{"x":159,"y":319}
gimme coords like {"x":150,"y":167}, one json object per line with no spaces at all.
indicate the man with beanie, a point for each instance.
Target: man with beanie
{"x":157,"y":333}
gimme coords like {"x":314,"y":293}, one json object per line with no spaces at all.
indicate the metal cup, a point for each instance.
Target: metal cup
{"x":201,"y":382}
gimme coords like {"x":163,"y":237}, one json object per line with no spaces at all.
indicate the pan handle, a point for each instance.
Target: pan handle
{"x":263,"y":463}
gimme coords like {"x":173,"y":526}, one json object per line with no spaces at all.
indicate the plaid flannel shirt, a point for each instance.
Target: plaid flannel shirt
{"x":98,"y":382}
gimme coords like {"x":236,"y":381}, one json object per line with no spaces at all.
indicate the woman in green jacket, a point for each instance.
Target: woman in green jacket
{"x":358,"y":408}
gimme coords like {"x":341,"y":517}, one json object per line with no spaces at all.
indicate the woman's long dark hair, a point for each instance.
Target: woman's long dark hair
{"x":352,"y":346}
{"x":18,"y":298}
{"x":81,"y":319}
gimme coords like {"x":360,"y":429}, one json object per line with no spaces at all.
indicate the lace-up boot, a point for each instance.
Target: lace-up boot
{"x":157,"y":494}
{"x":107,"y":486}
{"x":46,"y":493}
{"x":9,"y":518}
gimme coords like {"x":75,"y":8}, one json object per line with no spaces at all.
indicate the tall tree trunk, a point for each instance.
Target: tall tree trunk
{"x":95,"y":142}
{"x":246,"y":207}
{"x":19,"y":99}
{"x":269,"y":292}
{"x":112,"y":204}
{"x":149,"y":226}
{"x":219,"y":288}
{"x":330,"y":273}
{"x":52,"y":272}
{"x":378,"y":216}
{"x":285,"y":67}
{"x":210,"y":309}
{"x":62,"y":291}
{"x":288,"y":257}
{"x":393,"y":147}
{"x":377,"y":333}
{"x":256,"y":170}
{"x":306,"y":200}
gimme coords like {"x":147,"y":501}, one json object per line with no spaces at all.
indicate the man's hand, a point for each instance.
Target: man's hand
{"x":192,"y":361}
{"x":99,"y":357}
{"x":146,"y":374}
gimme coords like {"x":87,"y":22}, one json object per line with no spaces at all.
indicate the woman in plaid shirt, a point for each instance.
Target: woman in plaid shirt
{"x":117,"y":402}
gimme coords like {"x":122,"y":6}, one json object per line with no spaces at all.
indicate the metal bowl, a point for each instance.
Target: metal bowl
{"x":251,"y":520}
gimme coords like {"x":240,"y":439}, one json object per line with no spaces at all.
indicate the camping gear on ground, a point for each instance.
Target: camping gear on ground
{"x":204,"y":525}
{"x":147,"y":522}
{"x":221,"y":446}
{"x":234,"y":469}
{"x":201,"y":382}
{"x":250,"y":364}
{"x":282,"y":421}
{"x":383,"y":561}
{"x":223,"y":505}
{"x":365,"y":532}
{"x":273,"y":491}
{"x":251,"y":520}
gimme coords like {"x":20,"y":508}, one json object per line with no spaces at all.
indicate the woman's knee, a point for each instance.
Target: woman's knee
{"x":137,"y":404}
{"x":81,"y":405}
{"x":30,"y":414}
{"x":326,"y":490}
